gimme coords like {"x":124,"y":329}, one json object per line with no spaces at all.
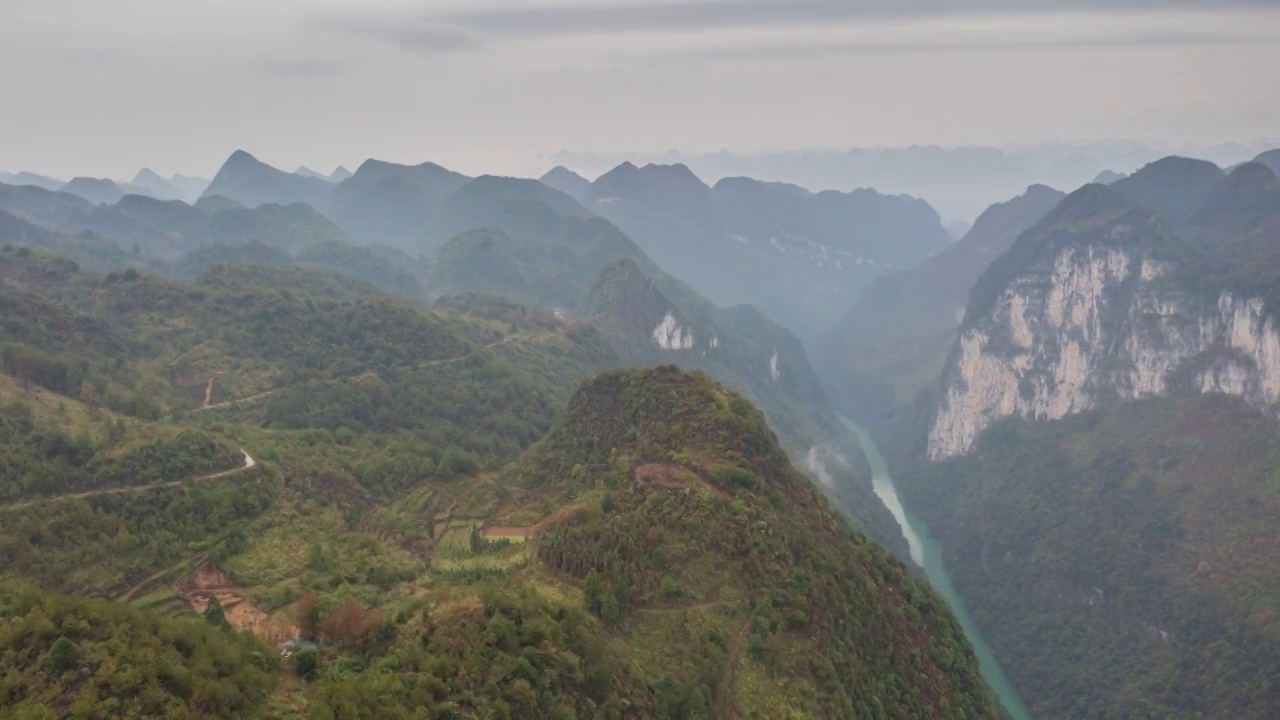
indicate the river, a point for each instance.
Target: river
{"x":927,"y":553}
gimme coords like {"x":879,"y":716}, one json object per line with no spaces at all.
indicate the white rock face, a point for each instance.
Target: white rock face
{"x":670,"y":336}
{"x":1102,"y":328}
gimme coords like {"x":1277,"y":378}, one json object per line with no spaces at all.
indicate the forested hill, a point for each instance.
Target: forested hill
{"x":1122,"y":562}
{"x":70,"y":657}
{"x":683,"y":503}
{"x":762,"y":360}
{"x":1100,"y":462}
{"x":368,"y":514}
{"x":518,"y":239}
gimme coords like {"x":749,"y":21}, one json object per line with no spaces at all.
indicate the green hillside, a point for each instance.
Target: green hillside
{"x":745,"y":350}
{"x":700,"y":515}
{"x":65,"y":657}
{"x":375,"y":520}
{"x":1121,"y":562}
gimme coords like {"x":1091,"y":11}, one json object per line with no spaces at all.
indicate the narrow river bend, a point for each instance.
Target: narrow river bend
{"x":927,"y":553}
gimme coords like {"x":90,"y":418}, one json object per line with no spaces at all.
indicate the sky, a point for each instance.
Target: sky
{"x":103,"y":88}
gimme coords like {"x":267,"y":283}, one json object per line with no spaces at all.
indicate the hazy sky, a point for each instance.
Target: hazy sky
{"x":102,"y":87}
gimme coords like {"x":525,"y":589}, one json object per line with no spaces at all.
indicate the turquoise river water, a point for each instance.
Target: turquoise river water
{"x":927,"y":553}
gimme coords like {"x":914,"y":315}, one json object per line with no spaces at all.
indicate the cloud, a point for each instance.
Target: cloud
{"x":413,"y":34}
{"x":428,"y":41}
{"x":801,"y":49}
{"x":298,"y":69}
{"x":720,"y":14}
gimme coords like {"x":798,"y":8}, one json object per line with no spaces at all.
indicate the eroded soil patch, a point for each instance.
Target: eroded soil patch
{"x":239,"y":611}
{"x":509,"y":532}
{"x":672,"y":477}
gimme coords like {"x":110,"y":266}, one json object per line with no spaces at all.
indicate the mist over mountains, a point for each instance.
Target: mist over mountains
{"x":614,"y":417}
{"x":957,"y":181}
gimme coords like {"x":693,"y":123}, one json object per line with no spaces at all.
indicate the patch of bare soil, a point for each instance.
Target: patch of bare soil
{"x":566,"y":514}
{"x":497,"y":532}
{"x":672,"y":477}
{"x":209,"y":580}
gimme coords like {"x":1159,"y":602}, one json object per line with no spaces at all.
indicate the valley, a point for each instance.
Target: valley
{"x":927,"y":554}
{"x":411,"y":443}
{"x":1051,"y":452}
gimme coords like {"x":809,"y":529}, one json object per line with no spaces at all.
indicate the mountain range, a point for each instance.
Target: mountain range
{"x":515,"y":238}
{"x":892,"y":345}
{"x":419,"y":487}
{"x":556,"y":448}
{"x":958,"y":181}
{"x":802,"y":257}
{"x":1112,"y":369}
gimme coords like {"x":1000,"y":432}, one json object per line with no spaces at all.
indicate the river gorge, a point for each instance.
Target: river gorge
{"x":927,"y":554}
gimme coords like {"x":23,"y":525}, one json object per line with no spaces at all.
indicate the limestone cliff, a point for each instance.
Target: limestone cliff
{"x":1100,"y":303}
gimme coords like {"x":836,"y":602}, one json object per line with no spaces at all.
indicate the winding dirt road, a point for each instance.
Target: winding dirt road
{"x":249,"y":462}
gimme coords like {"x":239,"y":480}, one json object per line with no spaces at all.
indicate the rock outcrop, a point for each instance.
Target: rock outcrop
{"x":1099,"y":304}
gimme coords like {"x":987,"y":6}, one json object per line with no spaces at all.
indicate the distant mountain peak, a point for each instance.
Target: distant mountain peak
{"x":338,"y":175}
{"x":1039,"y":189}
{"x":676,"y":171}
{"x":566,"y":181}
{"x":562,"y":172}
{"x":1106,"y":177}
{"x":1252,"y":171}
{"x":1171,"y":186}
{"x":1089,"y":201}
{"x":95,"y":190}
{"x":251,"y":182}
{"x":1271,"y":159}
{"x":147,"y":175}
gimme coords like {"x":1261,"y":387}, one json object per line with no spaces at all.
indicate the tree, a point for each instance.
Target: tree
{"x":349,"y":626}
{"x":89,"y":396}
{"x":594,"y":592}
{"x":214,"y":613}
{"x":306,"y":663}
{"x":63,"y":655}
{"x":308,"y":615}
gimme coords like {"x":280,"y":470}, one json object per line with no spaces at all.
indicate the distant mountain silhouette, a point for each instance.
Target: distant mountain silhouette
{"x":524,"y":209}
{"x":801,"y":257}
{"x":245,"y":179}
{"x":190,"y":187}
{"x":1106,"y":177}
{"x":389,"y":203}
{"x":567,"y":181}
{"x":1271,"y":159}
{"x":30,"y":178}
{"x":95,"y":190}
{"x":337,"y":176}
{"x":159,"y":188}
